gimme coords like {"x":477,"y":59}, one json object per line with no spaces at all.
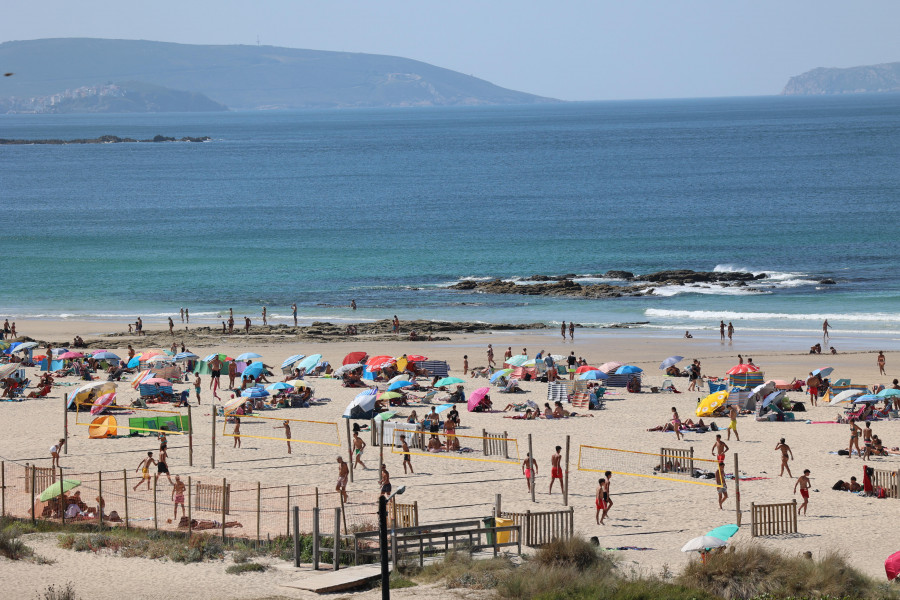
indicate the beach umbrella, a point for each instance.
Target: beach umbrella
{"x":24,"y":346}
{"x":889,"y":392}
{"x":868,"y":399}
{"x":298,"y":383}
{"x":102,"y":402}
{"x":703,"y":543}
{"x":354,"y":357}
{"x":775,"y":396}
{"x":711,"y":403}
{"x":476,"y":397}
{"x":254,"y":370}
{"x":845,"y":396}
{"x":628,"y":370}
{"x":248,"y":356}
{"x":7,"y":370}
{"x":892,"y":566}
{"x":134,"y":361}
{"x":254,"y":392}
{"x":742,"y":369}
{"x":390,"y":395}
{"x":185,"y":356}
{"x":500,"y":373}
{"x":278,"y":386}
{"x":585,"y":369}
{"x":823,"y":372}
{"x":70,"y":355}
{"x":400,"y":377}
{"x":517,"y":361}
{"x":362,"y":406}
{"x":291,"y":360}
{"x":415,"y":358}
{"x":157,"y":381}
{"x":671,"y":361}
{"x":4,"y":344}
{"x":310,"y":362}
{"x":384,"y":416}
{"x":140,"y":377}
{"x":341,"y":371}
{"x":98,"y":388}
{"x":593,"y":375}
{"x":156,"y":358}
{"x":233,"y":404}
{"x":609,"y":367}
{"x":399,"y":385}
{"x":723,"y":532}
{"x":106,"y":356}
{"x":378,"y":362}
{"x":54,"y":490}
{"x":448,"y":381}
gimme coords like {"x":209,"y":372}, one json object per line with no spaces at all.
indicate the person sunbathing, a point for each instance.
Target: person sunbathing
{"x":548,"y":412}
{"x":559,"y":412}
{"x":516,"y":406}
{"x":852,"y":485}
{"x":434,"y":444}
{"x":43,"y":391}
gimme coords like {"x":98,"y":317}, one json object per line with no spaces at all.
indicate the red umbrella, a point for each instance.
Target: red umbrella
{"x":378,"y":362}
{"x":415,"y":358}
{"x":354,"y":358}
{"x":585,"y":369}
{"x":476,"y":397}
{"x":102,"y":402}
{"x":892,"y":566}
{"x":68,"y":355}
{"x":743,"y":369}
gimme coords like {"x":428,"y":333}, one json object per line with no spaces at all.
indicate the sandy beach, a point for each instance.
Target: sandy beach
{"x":655,"y":515}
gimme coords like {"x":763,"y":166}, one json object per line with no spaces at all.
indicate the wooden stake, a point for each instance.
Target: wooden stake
{"x":189,"y":515}
{"x":350,"y":449}
{"x":191,"y":437}
{"x":737,"y":489}
{"x":497,"y":506}
{"x":62,"y":509}
{"x":33,"y":482}
{"x":213,"y":454}
{"x":125,"y":484}
{"x":336,"y":557}
{"x":65,"y":420}
{"x":258,"y":509}
{"x":566,"y":475}
{"x":100,"y":496}
{"x":223,"y":508}
{"x":155,"y":521}
{"x":380,"y":448}
{"x":3,"y":490}
{"x":288,"y":503}
{"x":531,"y":465}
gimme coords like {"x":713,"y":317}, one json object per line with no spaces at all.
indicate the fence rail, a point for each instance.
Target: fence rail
{"x":887,"y":480}
{"x":773,"y":519}
{"x":495,"y":444}
{"x":676,"y":460}
{"x":541,"y":528}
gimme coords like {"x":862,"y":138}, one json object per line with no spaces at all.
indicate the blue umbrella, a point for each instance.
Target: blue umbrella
{"x":399,"y":384}
{"x":868,"y":398}
{"x":106,"y":356}
{"x":254,"y":392}
{"x":628,"y":370}
{"x":889,"y":392}
{"x":593,"y":375}
{"x":291,"y":360}
{"x":279,"y":385}
{"x":309,"y":363}
{"x":254,"y":370}
{"x":248,"y":356}
{"x":134,"y":362}
{"x":724,"y":532}
{"x":500,"y":373}
{"x":222,"y":357}
{"x":671,"y":361}
{"x":183,"y":356}
{"x":823,"y":372}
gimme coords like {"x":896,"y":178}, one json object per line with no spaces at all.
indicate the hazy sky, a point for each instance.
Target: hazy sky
{"x":573,"y":50}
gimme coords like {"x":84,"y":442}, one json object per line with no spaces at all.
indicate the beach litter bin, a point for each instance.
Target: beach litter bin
{"x":503,"y":537}
{"x":489,"y":523}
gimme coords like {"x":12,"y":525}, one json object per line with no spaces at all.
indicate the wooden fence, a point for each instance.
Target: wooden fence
{"x":43,"y":477}
{"x":676,"y":460}
{"x":403,"y":515}
{"x":212,"y":498}
{"x":773,"y":519}
{"x":494,"y":444}
{"x":540,"y":528}
{"x":889,"y":480}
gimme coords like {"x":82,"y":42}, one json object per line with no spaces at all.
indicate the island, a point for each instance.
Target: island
{"x":868,"y":79}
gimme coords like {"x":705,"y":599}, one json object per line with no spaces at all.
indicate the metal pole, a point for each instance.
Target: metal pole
{"x":213,"y":454}
{"x":566,"y":475}
{"x":336,"y":556}
{"x":62,"y":509}
{"x":497,"y":506}
{"x":258,"y":509}
{"x":297,"y":536}
{"x":382,"y":543}
{"x":531,"y":467}
{"x":65,"y":418}
{"x":125,"y":485}
{"x":737,"y":489}
{"x":380,"y":448}
{"x":3,"y":489}
{"x":288,"y":504}
{"x":191,"y":437}
{"x":315,"y":525}
{"x":350,"y":450}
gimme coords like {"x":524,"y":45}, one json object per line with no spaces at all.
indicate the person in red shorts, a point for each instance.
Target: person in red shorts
{"x":556,"y":471}
{"x":529,"y":469}
{"x":719,"y":448}
{"x":804,"y":484}
{"x":599,"y":501}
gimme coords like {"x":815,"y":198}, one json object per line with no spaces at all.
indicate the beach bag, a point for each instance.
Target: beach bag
{"x":844,"y":452}
{"x":799,"y":407}
{"x":880,"y":493}
{"x":839,"y":485}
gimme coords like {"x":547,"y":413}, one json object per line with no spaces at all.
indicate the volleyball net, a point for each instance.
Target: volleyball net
{"x":117,"y":420}
{"x":487,"y":448}
{"x":672,"y":464}
{"x":300,"y":431}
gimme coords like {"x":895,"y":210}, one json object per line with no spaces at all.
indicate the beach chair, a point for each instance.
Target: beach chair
{"x":581,"y":400}
{"x":558,"y":391}
{"x":427,"y":398}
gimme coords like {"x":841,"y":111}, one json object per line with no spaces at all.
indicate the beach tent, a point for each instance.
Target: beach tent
{"x":363,"y":406}
{"x":712,"y":403}
{"x":103,"y":426}
{"x":201,"y":367}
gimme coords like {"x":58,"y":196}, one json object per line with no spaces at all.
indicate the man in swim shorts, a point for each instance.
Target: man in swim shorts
{"x":599,"y":502}
{"x":358,"y":447}
{"x":385,"y":482}
{"x":804,"y":484}
{"x":529,"y":469}
{"x":178,"y":495}
{"x":162,"y":467}
{"x":343,"y":472}
{"x":556,"y":471}
{"x":732,"y":426}
{"x":719,"y":448}
{"x":721,"y":485}
{"x":407,"y":462}
{"x":607,"y":500}
{"x":144,"y":468}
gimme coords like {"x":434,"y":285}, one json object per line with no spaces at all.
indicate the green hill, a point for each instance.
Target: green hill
{"x":243,"y":77}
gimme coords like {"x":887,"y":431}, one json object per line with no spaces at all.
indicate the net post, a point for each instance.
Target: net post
{"x":380,"y":447}
{"x":33,"y":516}
{"x":350,"y":449}
{"x":191,"y":437}
{"x":531,"y":467}
{"x":125,"y":485}
{"x":212,"y":456}
{"x":505,"y":445}
{"x":566,"y":475}
{"x":65,"y":417}
{"x":296,"y":535}
{"x":223,"y":509}
{"x":288,"y":503}
{"x":3,"y":489}
{"x":484,"y":442}
{"x":258,"y":509}
{"x":317,"y":496}
{"x":62,"y":509}
{"x":155,"y":521}
{"x":737,"y":490}
{"x":416,"y":511}
{"x":336,"y":555}
{"x":189,"y":515}
{"x":315,"y":548}
{"x":343,"y":512}
{"x":100,"y":496}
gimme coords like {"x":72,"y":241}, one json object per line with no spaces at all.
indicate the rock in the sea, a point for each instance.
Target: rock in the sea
{"x":626,"y":275}
{"x":828,"y":282}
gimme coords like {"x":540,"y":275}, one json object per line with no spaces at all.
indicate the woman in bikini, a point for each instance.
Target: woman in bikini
{"x":676,"y":424}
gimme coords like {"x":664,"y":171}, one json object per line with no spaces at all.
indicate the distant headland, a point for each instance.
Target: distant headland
{"x":868,"y":79}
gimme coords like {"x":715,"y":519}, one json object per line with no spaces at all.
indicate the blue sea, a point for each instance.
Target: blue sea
{"x":389,"y":207}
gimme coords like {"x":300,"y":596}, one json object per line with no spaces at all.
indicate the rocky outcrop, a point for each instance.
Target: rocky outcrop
{"x":103,"y":139}
{"x":686,"y":276}
{"x":868,"y":79}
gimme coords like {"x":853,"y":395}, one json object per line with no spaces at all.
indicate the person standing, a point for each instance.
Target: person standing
{"x":178,"y":496}
{"x":676,"y":424}
{"x":162,"y":466}
{"x":719,"y":448}
{"x":385,"y":481}
{"x":572,"y":331}
{"x":804,"y":484}
{"x":54,"y":453}
{"x":730,"y":330}
{"x":732,"y":426}
{"x":197,"y":387}
{"x":607,"y":499}
{"x":465,"y":364}
{"x":812,"y":386}
{"x":247,"y":325}
{"x":867,"y":440}
{"x":236,"y":434}
{"x":353,"y":305}
{"x":854,"y":439}
{"x":187,"y":316}
{"x":825,"y":327}
{"x":144,"y":468}
{"x":407,"y":458}
{"x":343,"y":473}
{"x":722,"y":330}
{"x":182,"y":314}
{"x":785,"y":453}
{"x":171,"y":327}
{"x":562,"y":330}
{"x":294,"y":312}
{"x":598,"y":501}
{"x":881,"y":361}
{"x":264,"y":318}
{"x":490,"y":356}
{"x":286,"y":425}
{"x":556,"y":471}
{"x":571,"y":363}
{"x":358,"y":447}
{"x":508,"y":354}
{"x":529,"y":469}
{"x":721,"y":484}
{"x":215,"y":368}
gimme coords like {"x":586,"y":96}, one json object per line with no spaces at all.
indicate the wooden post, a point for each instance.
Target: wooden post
{"x":191,"y":437}
{"x":381,"y":449}
{"x":737,"y":489}
{"x":531,"y":464}
{"x":258,"y":509}
{"x":497,"y":506}
{"x":100,"y":496}
{"x":528,"y":528}
{"x":315,"y":525}
{"x":317,"y":496}
{"x":223,"y":509}
{"x":65,"y":417}
{"x":794,"y":514}
{"x":565,"y":480}
{"x":288,"y":504}
{"x":33,"y":516}
{"x":125,"y":485}
{"x":343,"y":510}
{"x":505,"y":445}
{"x":296,"y":535}
{"x":484,"y":442}
{"x":62,"y":509}
{"x":155,"y":522}
{"x":3,"y":490}
{"x":189,"y":515}
{"x":212,"y":456}
{"x":416,"y":512}
{"x":350,"y":450}
{"x":336,"y":555}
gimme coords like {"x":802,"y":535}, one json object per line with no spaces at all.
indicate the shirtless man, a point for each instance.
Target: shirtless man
{"x":721,"y":485}
{"x":785,"y":453}
{"x":571,"y":331}
{"x":264,"y":316}
{"x":54,"y":453}
{"x":182,"y":315}
{"x":490,"y":356}
{"x":407,"y":459}
{"x":171,"y":327}
{"x":732,"y":426}
{"x":215,"y":368}
{"x":232,"y":374}
{"x":178,"y":496}
{"x":247,"y":325}
{"x":607,"y":500}
{"x":730,"y":330}
{"x":144,"y":468}
{"x":237,"y":432}
{"x":812,"y":386}
{"x":529,"y":470}
{"x":598,"y":501}
{"x":465,"y":364}
{"x":162,"y":466}
{"x":286,"y":425}
{"x":562,"y":330}
{"x":187,"y":315}
{"x":825,"y":326}
{"x":507,"y":354}
{"x":343,"y":473}
{"x":197,"y":387}
{"x":880,"y":360}
{"x":556,"y":471}
{"x":722,"y":330}
{"x":294,"y":312}
{"x":867,"y":440}
{"x":385,"y":482}
{"x":358,"y":446}
{"x":719,"y":448}
{"x":804,"y":484}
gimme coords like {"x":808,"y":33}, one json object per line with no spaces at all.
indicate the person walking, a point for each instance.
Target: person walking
{"x":804,"y":484}
{"x":785,"y":453}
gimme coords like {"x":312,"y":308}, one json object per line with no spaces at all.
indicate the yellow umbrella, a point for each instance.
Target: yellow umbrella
{"x":298,"y":383}
{"x":712,"y":403}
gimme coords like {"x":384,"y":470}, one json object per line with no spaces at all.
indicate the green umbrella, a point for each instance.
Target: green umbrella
{"x":390,"y":395}
{"x":448,"y":381}
{"x":53,"y":491}
{"x":385,"y":415}
{"x":723,"y":532}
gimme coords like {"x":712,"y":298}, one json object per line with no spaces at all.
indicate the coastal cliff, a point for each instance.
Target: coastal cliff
{"x":866,"y":79}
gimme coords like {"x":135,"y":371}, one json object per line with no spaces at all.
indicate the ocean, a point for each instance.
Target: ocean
{"x":389,"y":207}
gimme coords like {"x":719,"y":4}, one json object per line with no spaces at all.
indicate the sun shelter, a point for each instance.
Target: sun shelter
{"x":363,"y":406}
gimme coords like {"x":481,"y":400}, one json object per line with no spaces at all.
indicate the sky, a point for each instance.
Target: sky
{"x":571,"y":50}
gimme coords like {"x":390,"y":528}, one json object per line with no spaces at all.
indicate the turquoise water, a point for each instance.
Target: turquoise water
{"x":388,"y":206}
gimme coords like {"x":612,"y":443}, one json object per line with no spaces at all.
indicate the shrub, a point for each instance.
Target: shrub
{"x":574,"y":552}
{"x":245,"y":568}
{"x":12,"y":547}
{"x":59,"y":593}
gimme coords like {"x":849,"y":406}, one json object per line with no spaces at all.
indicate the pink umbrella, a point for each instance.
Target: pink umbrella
{"x":157,"y":380}
{"x":69,"y":355}
{"x":476,"y":397}
{"x":609,"y":367}
{"x":743,"y":369}
{"x":102,"y":402}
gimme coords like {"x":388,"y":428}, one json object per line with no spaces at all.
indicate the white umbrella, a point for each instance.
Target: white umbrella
{"x":364,"y":403}
{"x":764,"y":389}
{"x":773,"y":397}
{"x":702,"y":543}
{"x":346,"y":369}
{"x":401,"y":377}
{"x":671,"y":361}
{"x":7,"y":370}
{"x":25,"y":346}
{"x":845,"y":396}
